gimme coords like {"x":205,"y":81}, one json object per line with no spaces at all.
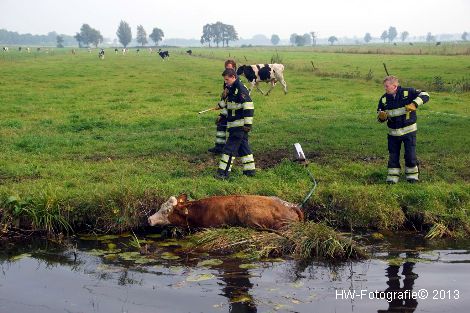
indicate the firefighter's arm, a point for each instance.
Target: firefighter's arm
{"x":419,"y":97}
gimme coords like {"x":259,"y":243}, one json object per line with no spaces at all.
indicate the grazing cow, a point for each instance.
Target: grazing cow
{"x":101,"y":54}
{"x":28,"y":49}
{"x":19,"y":49}
{"x":38,"y":49}
{"x":190,"y":52}
{"x":438,"y":43}
{"x":116,"y":50}
{"x":268,"y":73}
{"x":5,"y":49}
{"x":163,"y":54}
{"x":250,"y":211}
{"x":73,"y":51}
{"x":138,"y":50}
{"x":124,"y":50}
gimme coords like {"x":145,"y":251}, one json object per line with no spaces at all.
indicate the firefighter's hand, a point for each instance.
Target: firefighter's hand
{"x":217,"y":120}
{"x":410,"y":107}
{"x":382,"y":117}
{"x":221,"y":104}
{"x":246,"y":129}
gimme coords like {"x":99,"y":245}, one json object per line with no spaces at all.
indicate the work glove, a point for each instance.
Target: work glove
{"x":221,"y":104}
{"x":246,"y":129}
{"x":410,"y":107}
{"x":382,"y":116}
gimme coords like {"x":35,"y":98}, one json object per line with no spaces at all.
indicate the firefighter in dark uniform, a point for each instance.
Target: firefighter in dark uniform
{"x":221,"y":121}
{"x":239,"y":110}
{"x":398,"y":107}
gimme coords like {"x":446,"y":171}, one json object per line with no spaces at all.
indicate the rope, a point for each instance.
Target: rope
{"x":316,"y":116}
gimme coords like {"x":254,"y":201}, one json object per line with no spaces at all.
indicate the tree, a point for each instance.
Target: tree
{"x":367,"y":37}
{"x":60,"y":41}
{"x":207,"y":34}
{"x":141,"y":35}
{"x":392,"y":34}
{"x":384,"y":36}
{"x":228,"y":34}
{"x":314,"y":38}
{"x":96,"y":37}
{"x":275,"y":39}
{"x":157,"y":35}
{"x":404,"y":35}
{"x":430,"y":38}
{"x":79,"y":39}
{"x":299,"y":40}
{"x":307,"y":39}
{"x":332,"y":39}
{"x":88,"y":36}
{"x":124,"y":33}
{"x":464,"y":36}
{"x":292,"y":38}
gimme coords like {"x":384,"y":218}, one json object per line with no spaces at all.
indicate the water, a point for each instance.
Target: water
{"x":40,"y":276}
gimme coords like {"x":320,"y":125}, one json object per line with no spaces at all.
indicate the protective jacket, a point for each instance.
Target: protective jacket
{"x":401,"y":122}
{"x":238,"y":107}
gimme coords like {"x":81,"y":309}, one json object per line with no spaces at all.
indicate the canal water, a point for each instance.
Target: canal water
{"x":405,"y":273}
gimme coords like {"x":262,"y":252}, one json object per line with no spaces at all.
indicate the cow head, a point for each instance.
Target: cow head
{"x":161,"y":216}
{"x":241,"y":70}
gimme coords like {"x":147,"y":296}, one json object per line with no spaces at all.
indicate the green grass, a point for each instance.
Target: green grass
{"x":107,"y":141}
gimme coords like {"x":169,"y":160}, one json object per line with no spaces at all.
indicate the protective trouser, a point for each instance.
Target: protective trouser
{"x":237,"y":146}
{"x":411,"y":165}
{"x":220,"y":135}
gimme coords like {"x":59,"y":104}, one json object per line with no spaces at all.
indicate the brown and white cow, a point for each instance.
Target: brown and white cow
{"x":237,"y":210}
{"x":268,"y":73}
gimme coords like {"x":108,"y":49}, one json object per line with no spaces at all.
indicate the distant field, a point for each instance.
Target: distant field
{"x":105,"y":141}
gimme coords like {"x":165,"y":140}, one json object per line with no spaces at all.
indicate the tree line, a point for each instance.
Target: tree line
{"x":14,"y":38}
{"x":89,"y":35}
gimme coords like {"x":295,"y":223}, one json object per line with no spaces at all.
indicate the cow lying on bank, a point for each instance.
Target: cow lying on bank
{"x":163,"y":54}
{"x":268,"y":73}
{"x":250,"y":211}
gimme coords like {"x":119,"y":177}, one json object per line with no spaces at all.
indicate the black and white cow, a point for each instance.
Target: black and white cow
{"x":268,"y":73}
{"x":5,"y":49}
{"x":116,"y":50}
{"x":163,"y":54}
{"x":101,"y":54}
{"x":190,"y":52}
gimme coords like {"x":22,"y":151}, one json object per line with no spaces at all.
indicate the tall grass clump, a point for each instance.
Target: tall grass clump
{"x":302,"y":240}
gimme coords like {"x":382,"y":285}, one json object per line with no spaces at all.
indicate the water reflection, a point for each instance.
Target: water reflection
{"x":237,"y":288}
{"x":401,"y":300}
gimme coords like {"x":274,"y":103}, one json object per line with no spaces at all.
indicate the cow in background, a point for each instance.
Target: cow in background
{"x":190,"y":52}
{"x":163,"y":54}
{"x":268,"y":73}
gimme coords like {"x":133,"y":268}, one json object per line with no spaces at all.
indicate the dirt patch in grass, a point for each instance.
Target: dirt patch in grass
{"x":269,"y":159}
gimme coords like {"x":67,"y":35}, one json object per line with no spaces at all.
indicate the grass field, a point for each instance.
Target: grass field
{"x":102,"y":142}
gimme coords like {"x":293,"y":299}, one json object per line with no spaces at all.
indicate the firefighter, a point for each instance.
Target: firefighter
{"x":239,"y":110}
{"x":398,"y":107}
{"x":221,"y":121}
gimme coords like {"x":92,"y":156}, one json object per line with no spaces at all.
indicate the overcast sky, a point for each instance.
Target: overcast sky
{"x":184,"y":19}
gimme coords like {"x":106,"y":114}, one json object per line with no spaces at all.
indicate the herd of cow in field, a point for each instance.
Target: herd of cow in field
{"x":237,"y":210}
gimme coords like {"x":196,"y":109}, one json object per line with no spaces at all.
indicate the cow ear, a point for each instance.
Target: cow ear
{"x":182,"y":198}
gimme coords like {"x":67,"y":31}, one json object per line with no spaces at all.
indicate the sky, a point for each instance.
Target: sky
{"x":185,"y":19}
